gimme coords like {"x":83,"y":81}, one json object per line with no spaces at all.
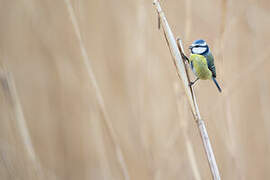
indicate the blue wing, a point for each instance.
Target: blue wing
{"x":210,"y":63}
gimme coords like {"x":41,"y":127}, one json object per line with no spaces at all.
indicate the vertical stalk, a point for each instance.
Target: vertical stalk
{"x":176,"y":50}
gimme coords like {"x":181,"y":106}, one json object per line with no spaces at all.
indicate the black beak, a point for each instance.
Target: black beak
{"x":190,"y":47}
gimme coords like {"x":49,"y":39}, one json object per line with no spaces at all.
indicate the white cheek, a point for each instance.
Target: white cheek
{"x":199,"y":50}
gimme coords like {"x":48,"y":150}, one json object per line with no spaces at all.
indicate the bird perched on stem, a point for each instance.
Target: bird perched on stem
{"x":202,"y":62}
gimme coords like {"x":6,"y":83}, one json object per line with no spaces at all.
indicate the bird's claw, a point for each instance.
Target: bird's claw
{"x":193,"y":82}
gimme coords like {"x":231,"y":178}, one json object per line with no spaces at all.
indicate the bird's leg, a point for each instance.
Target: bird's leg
{"x":184,"y":57}
{"x":191,"y":83}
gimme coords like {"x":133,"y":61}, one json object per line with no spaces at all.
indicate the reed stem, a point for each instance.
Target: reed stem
{"x":177,"y":51}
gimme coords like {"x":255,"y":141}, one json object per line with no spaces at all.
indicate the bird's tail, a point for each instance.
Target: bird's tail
{"x":215,"y":81}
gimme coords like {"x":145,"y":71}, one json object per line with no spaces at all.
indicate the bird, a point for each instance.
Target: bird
{"x":202,"y":62}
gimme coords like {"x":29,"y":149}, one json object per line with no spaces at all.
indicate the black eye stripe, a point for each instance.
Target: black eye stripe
{"x":199,"y":46}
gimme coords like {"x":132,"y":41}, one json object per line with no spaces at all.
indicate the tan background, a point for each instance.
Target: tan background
{"x":89,"y":91}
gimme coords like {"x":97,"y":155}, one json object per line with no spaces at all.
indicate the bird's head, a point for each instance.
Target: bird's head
{"x":199,"y":47}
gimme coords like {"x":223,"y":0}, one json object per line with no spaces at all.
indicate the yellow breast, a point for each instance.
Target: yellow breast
{"x":200,"y":67}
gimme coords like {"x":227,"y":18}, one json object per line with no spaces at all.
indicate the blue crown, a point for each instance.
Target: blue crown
{"x":200,"y":41}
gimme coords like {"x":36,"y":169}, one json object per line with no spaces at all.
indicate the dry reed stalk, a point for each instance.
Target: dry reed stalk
{"x":182,"y":104}
{"x":175,"y":50}
{"x":10,"y":92}
{"x":188,"y":18}
{"x":100,"y":100}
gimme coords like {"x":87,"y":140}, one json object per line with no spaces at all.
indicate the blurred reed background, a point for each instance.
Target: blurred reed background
{"x":89,"y":90}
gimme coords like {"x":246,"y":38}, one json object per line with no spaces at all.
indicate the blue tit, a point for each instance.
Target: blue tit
{"x":202,"y":62}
